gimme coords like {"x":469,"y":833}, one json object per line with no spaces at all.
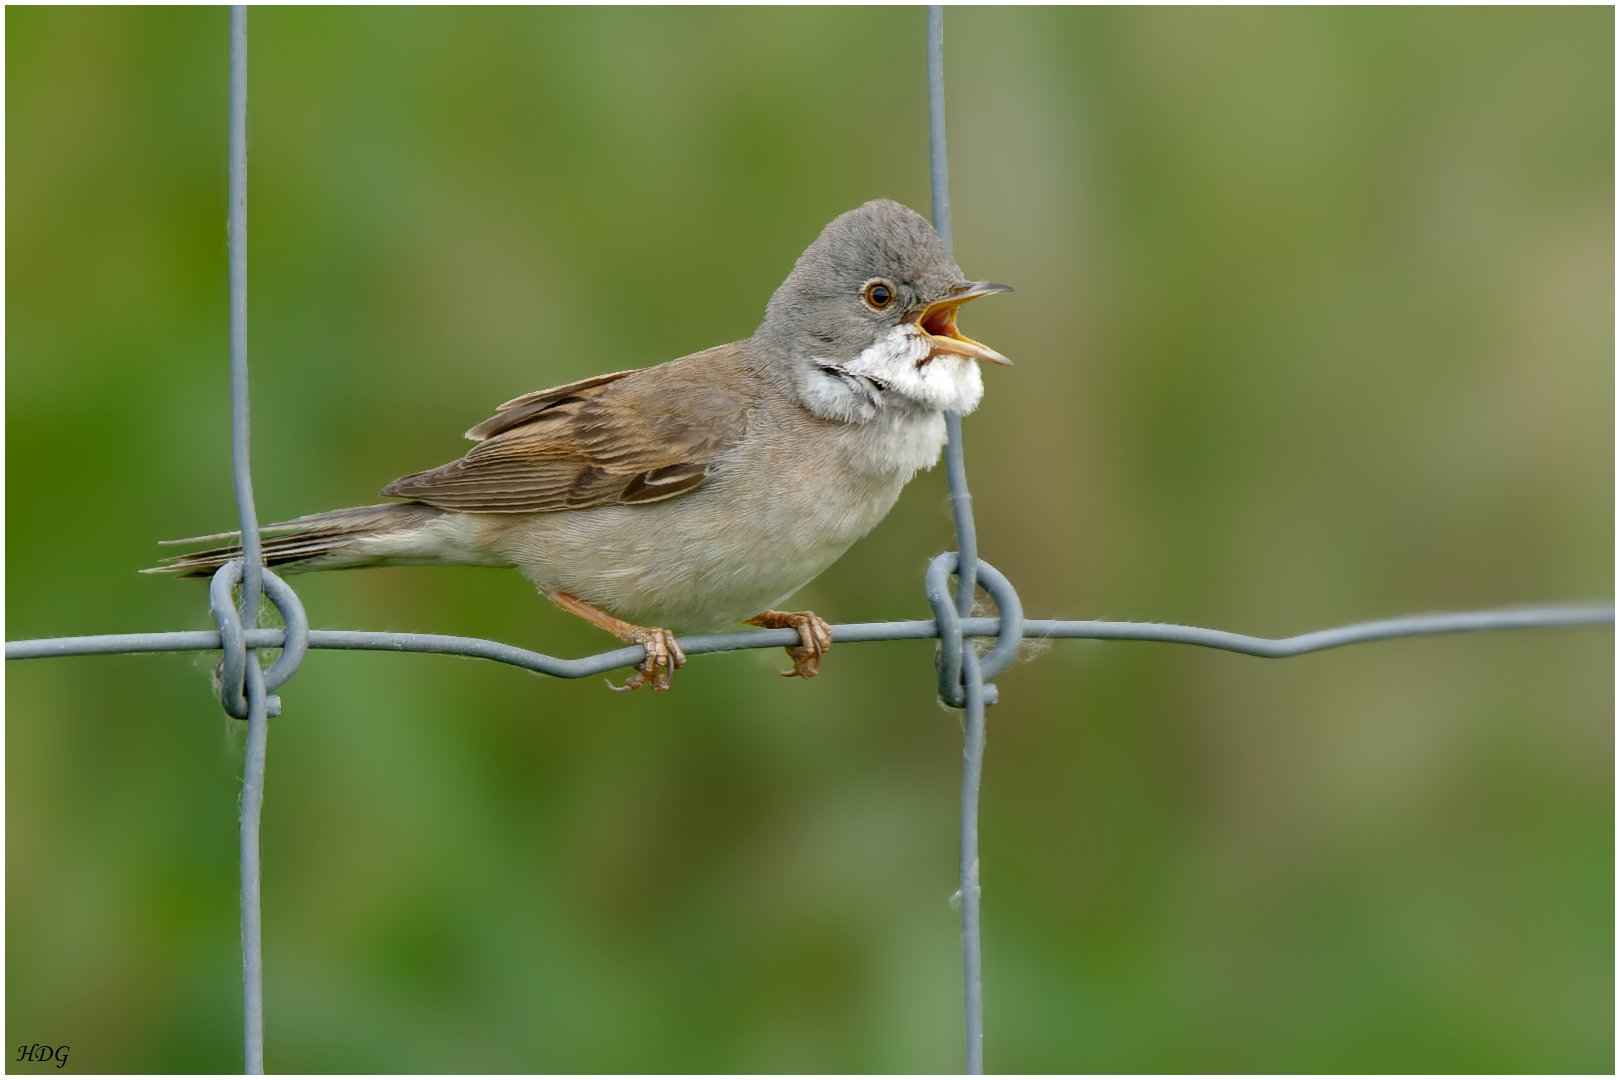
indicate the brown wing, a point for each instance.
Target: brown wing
{"x":630,"y":437}
{"x":520,"y":410}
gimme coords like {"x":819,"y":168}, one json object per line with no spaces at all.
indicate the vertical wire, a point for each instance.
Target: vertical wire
{"x":967,"y":575}
{"x":252,"y":920}
{"x":936,"y":123}
{"x":241,"y":475}
{"x":967,"y":537}
{"x":939,"y":175}
{"x":257,"y":735}
{"x":972,"y":768}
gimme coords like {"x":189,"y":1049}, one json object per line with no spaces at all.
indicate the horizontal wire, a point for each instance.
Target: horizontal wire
{"x":1523,"y":618}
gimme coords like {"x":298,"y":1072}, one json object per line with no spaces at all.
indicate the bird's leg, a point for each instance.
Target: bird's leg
{"x":815,"y":638}
{"x":663,"y":654}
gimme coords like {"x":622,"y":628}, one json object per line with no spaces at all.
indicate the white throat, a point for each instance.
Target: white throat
{"x":891,"y":372}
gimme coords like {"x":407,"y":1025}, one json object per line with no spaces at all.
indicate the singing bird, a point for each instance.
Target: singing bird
{"x":703,"y":491}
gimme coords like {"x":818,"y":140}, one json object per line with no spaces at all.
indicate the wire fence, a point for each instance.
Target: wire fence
{"x":963,"y":676}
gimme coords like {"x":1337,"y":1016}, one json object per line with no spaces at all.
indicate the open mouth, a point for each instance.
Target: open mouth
{"x":938,"y":322}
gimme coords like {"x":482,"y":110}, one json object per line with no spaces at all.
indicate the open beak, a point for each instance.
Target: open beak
{"x":938,"y":322}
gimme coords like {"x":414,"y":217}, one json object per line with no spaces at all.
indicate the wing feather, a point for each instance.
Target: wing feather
{"x":630,"y":437}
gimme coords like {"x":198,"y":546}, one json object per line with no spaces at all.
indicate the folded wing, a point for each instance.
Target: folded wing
{"x":630,"y":437}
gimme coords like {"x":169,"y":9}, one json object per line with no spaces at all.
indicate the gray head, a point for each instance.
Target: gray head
{"x":876,"y":296}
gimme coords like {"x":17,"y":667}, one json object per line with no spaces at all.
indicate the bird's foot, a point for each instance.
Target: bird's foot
{"x":663,"y":657}
{"x":815,"y":638}
{"x":663,"y":654}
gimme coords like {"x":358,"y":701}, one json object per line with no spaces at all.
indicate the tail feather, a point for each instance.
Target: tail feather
{"x":281,"y":526}
{"x":315,"y":542}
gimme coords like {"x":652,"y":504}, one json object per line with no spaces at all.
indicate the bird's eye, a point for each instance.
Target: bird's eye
{"x":878,"y":294}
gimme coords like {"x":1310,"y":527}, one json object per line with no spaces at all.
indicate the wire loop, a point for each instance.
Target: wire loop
{"x":1009,"y":633}
{"x":233,"y":669}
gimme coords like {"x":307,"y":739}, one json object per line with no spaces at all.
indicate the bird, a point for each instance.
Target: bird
{"x":704,"y":491}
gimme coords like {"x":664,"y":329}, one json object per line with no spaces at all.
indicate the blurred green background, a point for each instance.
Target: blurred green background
{"x":1314,"y":323}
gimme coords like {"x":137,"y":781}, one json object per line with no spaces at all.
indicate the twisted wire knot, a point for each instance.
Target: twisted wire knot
{"x":949,"y":623}
{"x":239,"y":669}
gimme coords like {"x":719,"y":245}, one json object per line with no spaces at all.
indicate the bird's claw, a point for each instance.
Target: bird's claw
{"x":815,"y":638}
{"x":663,"y":657}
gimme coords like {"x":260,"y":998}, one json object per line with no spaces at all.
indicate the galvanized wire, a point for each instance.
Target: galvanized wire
{"x":241,"y":471}
{"x":246,"y":690}
{"x":244,"y":677}
{"x":253,"y":761}
{"x":957,"y":656}
{"x":1566,"y":616}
